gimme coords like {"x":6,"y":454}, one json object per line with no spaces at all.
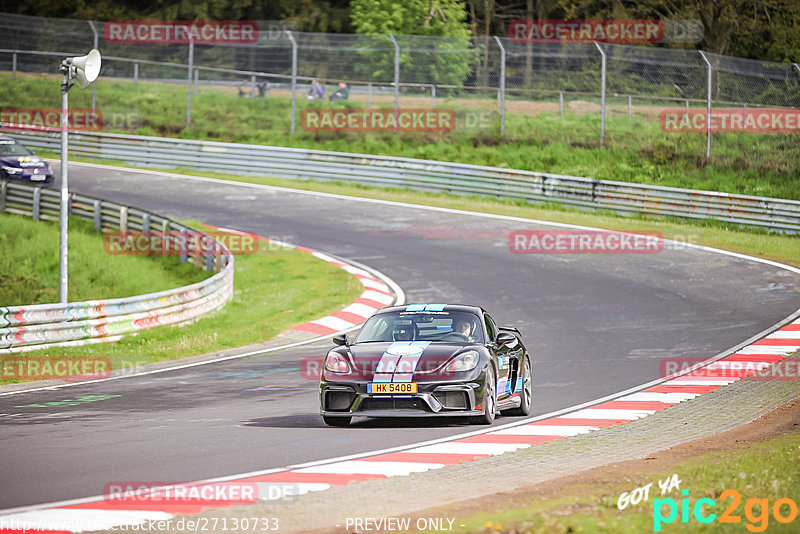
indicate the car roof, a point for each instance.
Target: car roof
{"x":432,"y":306}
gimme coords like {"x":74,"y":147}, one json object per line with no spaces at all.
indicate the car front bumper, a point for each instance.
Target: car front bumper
{"x":451,"y":399}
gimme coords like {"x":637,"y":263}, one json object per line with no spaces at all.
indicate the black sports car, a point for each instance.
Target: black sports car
{"x":427,"y":360}
{"x":19,"y":163}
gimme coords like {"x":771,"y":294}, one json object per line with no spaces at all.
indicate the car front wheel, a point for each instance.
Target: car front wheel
{"x":489,"y":400}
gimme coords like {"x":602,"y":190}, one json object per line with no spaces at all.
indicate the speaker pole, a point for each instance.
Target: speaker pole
{"x":66,"y":68}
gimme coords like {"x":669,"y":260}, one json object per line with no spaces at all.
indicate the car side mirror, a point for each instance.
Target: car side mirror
{"x":341,"y":339}
{"x":504,"y":339}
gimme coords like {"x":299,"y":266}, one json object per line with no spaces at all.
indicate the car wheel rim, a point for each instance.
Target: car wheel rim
{"x":526,"y":384}
{"x":490,"y":397}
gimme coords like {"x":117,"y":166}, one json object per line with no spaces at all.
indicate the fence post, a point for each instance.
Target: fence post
{"x":135,"y":74}
{"x":561,"y":102}
{"x":294,"y":81}
{"x":602,"y":92}
{"x":94,"y":83}
{"x":433,"y":95}
{"x":369,"y":95}
{"x":708,"y":97}
{"x":396,"y":75}
{"x":3,"y":193}
{"x":502,"y":93}
{"x":14,"y":66}
{"x":196,"y":79}
{"x":253,"y":86}
{"x":37,"y":203}
{"x":189,"y":83}
{"x":146,"y":223}
{"x":97,"y":213}
{"x":630,"y":106}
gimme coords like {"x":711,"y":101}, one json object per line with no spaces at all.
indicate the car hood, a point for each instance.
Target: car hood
{"x":417,"y":360}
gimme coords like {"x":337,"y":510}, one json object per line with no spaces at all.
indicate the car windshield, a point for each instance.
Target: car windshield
{"x":11,"y":148}
{"x":444,"y":326}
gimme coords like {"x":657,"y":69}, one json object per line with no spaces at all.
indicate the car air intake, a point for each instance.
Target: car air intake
{"x":338,"y":400}
{"x":453,"y":400}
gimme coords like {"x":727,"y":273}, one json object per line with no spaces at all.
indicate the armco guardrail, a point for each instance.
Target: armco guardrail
{"x":24,"y":328}
{"x":770,"y":213}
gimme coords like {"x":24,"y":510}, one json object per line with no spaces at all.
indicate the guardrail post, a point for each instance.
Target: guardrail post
{"x":196,"y":79}
{"x":146,"y":223}
{"x":167,"y":238}
{"x":630,"y":107}
{"x":37,"y":207}
{"x":135,"y":74}
{"x":183,"y":246}
{"x":189,"y":84}
{"x":253,"y":86}
{"x":708,"y":97}
{"x":433,"y":95}
{"x":97,"y":213}
{"x":396,"y":75}
{"x":14,"y":66}
{"x":602,"y":92}
{"x":369,"y":95}
{"x":3,"y":193}
{"x":123,"y":220}
{"x":294,"y":81}
{"x":561,"y":102}
{"x":502,"y":90}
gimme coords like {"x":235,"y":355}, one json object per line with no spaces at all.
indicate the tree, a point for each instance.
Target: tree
{"x":435,"y":61}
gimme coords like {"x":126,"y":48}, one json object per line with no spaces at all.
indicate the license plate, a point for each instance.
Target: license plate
{"x":391,"y":388}
{"x":38,"y":177}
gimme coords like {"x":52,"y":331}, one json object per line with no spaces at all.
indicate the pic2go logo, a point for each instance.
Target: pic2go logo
{"x":756,"y":511}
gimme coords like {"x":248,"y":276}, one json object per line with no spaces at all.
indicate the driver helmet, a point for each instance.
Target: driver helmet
{"x":403,"y":332}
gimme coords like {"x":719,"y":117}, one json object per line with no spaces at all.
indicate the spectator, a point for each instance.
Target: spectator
{"x":317,"y":91}
{"x":342,"y":93}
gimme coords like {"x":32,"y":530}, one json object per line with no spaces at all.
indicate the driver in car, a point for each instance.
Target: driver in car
{"x":464,"y":328}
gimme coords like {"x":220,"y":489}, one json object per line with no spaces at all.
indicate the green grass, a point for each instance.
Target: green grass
{"x":29,"y":267}
{"x":274,"y":289}
{"x":765,"y":471}
{"x":634,"y":150}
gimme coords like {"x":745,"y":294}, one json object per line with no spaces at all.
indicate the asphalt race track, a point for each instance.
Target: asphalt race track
{"x":595,"y":325}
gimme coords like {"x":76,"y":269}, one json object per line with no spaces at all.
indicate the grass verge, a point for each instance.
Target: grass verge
{"x":29,"y":268}
{"x":274,"y":289}
{"x":634,"y":150}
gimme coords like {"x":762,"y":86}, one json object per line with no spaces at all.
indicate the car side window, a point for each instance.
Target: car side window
{"x":491,"y":327}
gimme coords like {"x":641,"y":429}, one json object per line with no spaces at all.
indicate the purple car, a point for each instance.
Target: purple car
{"x":19,"y":163}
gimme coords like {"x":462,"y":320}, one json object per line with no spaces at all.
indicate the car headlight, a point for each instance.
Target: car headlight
{"x":336,"y":363}
{"x":12,"y":170}
{"x":466,"y":361}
